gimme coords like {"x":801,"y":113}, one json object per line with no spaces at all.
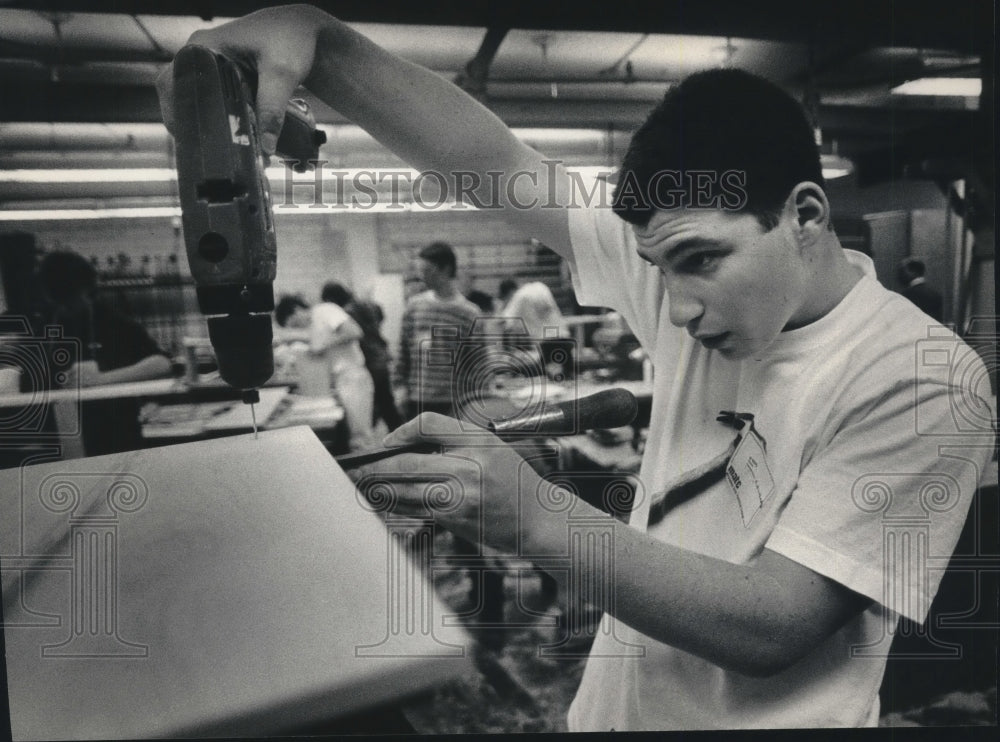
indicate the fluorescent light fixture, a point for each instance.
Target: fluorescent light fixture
{"x":963,"y":87}
{"x":169,"y":175}
{"x":835,"y":166}
{"x":832,"y":173}
{"x":92,"y":175}
{"x":56,"y":215}
{"x":602,"y":172}
{"x":158,"y":175}
{"x":167,"y":212}
{"x":278,"y":173}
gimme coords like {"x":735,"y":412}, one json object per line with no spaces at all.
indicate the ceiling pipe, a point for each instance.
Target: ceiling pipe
{"x":144,"y":72}
{"x":473,"y":78}
{"x":82,"y":160}
{"x":75,"y":136}
{"x":580,"y":90}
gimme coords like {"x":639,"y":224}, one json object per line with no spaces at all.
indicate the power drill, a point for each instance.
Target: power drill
{"x":226,"y":206}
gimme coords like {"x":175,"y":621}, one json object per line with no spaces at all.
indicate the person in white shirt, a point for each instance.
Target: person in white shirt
{"x":536,"y":324}
{"x":817,"y":411}
{"x":333,"y":336}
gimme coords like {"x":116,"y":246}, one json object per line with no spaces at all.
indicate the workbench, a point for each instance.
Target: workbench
{"x":179,"y":420}
{"x":174,"y":411}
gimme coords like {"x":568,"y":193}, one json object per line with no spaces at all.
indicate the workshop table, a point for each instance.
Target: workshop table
{"x":178,"y":411}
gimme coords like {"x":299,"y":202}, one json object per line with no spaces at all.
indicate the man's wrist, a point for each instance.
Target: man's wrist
{"x":548,"y":515}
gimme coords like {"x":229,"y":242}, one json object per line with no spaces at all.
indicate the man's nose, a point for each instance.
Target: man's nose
{"x":684,"y":308}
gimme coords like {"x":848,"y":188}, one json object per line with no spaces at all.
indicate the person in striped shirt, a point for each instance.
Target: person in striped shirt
{"x":435,"y":325}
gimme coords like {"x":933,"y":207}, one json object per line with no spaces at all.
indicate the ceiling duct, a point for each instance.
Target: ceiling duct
{"x":473,"y":79}
{"x":75,"y":136}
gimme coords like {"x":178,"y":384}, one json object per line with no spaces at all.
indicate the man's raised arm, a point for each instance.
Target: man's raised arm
{"x":428,"y":121}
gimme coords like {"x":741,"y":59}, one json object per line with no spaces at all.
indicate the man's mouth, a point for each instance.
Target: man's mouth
{"x":712,"y":341}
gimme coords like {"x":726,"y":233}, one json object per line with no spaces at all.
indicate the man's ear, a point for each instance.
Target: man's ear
{"x":808,"y":206}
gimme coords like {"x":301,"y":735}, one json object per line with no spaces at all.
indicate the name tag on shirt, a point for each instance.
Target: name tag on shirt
{"x":749,"y":476}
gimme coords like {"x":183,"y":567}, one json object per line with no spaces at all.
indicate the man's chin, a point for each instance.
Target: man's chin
{"x":732,"y":347}
{"x":733,"y":353}
{"x":740,"y":351}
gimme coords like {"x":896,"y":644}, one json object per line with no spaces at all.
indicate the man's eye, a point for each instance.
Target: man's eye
{"x":698,"y":263}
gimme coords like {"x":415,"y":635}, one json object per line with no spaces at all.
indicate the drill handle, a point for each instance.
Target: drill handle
{"x":299,"y":140}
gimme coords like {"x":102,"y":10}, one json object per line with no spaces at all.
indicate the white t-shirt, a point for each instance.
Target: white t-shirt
{"x":535,"y":304}
{"x":867,"y":478}
{"x":327,"y":318}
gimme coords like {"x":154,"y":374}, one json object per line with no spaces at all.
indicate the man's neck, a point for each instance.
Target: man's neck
{"x":835,"y":277}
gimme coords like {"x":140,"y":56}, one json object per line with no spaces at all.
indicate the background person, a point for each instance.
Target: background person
{"x":369,"y":317}
{"x":915,"y":288}
{"x":436,"y":323}
{"x":505,"y":290}
{"x":477,"y":296}
{"x":546,"y":329}
{"x":114,"y":349}
{"x":333,"y":336}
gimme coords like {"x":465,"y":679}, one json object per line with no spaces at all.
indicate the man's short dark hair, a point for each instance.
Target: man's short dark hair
{"x":286,"y":307}
{"x":65,"y":275}
{"x":336,"y":293}
{"x":442,"y":256}
{"x":750,"y":137}
{"x":507,"y":287}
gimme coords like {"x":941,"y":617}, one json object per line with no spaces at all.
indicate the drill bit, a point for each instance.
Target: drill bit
{"x":251,"y":397}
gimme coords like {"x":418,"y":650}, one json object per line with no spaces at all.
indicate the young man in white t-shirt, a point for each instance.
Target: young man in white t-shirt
{"x":806,"y":473}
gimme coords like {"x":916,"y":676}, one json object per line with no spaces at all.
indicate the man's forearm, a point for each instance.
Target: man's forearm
{"x":742,"y":617}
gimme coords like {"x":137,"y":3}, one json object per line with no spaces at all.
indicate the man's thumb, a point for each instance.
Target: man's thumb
{"x":272,"y":100}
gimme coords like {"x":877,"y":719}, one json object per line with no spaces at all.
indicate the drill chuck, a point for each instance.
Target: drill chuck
{"x":242,"y":345}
